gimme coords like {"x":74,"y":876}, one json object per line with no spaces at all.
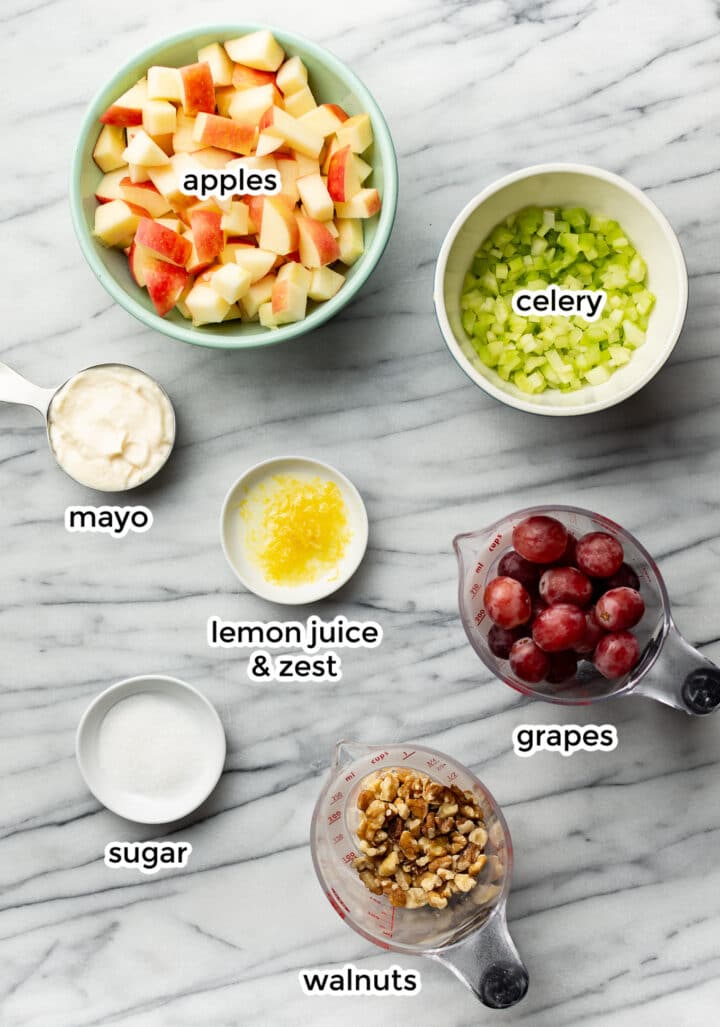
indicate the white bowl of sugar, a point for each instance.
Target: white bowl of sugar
{"x":151,"y":748}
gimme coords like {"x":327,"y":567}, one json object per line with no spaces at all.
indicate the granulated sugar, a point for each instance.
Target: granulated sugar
{"x":151,"y":744}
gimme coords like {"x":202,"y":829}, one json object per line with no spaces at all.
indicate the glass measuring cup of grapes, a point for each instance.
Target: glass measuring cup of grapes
{"x":617,"y":655}
{"x":470,"y":935}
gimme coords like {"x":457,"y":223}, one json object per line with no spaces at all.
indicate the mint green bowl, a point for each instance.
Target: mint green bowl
{"x":331,"y":82}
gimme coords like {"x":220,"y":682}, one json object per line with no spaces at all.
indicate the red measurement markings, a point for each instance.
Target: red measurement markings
{"x":453,"y":775}
{"x":495,"y":543}
{"x":479,"y":567}
{"x":407,"y":755}
{"x":349,"y":857}
{"x":380,"y":757}
{"x":334,"y":816}
{"x":474,"y":590}
{"x":350,"y":776}
{"x":336,"y":798}
{"x":338,"y":838}
{"x":479,"y":617}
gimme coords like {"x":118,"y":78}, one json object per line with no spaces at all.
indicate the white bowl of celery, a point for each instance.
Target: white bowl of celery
{"x":577,"y":228}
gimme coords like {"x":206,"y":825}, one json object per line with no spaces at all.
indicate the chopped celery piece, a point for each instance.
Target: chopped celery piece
{"x":572,"y":249}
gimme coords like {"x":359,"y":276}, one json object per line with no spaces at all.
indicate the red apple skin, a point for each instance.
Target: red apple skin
{"x":226,"y":134}
{"x":165,"y":243}
{"x":115,"y":115}
{"x":337,"y":111}
{"x":248,"y":78}
{"x":165,"y":283}
{"x":207,"y":233}
{"x":313,"y":234}
{"x":340,"y":165}
{"x":198,"y":89}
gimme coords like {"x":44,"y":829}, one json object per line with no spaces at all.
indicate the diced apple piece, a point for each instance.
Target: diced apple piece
{"x":363,"y":205}
{"x":248,"y":78}
{"x":317,"y":246}
{"x":332,"y":228}
{"x":164,"y":83}
{"x":343,"y":182}
{"x":356,"y":133}
{"x":300,"y":103}
{"x":167,"y":180}
{"x":324,"y":283}
{"x":144,"y":150}
{"x":233,"y":313}
{"x":171,"y":222}
{"x":255,"y":261}
{"x":292,"y":76}
{"x":231,"y":248}
{"x":138,"y":256}
{"x":223,"y":99}
{"x":325,"y":120}
{"x":194,"y":265}
{"x":145,"y":195}
{"x":266,"y":316}
{"x":205,"y":305}
{"x":212,"y":157}
{"x":231,"y":281}
{"x":207,"y":234}
{"x":165,"y":283}
{"x":183,"y":140}
{"x":290,"y":293}
{"x":159,"y":118}
{"x":163,"y":242}
{"x":109,"y":148}
{"x":362,"y":168}
{"x":291,"y":131}
{"x":307,"y":165}
{"x":350,"y":239}
{"x":258,"y":293}
{"x":138,"y":173}
{"x":315,"y":197}
{"x":249,"y":105}
{"x":109,"y":186}
{"x":257,"y":50}
{"x":224,"y":133}
{"x":221,"y":66}
{"x":115,"y":223}
{"x":198,"y":91}
{"x":268,"y":144}
{"x":236,"y":220}
{"x":127,"y":109}
{"x":289,"y":173}
{"x":278,"y":229}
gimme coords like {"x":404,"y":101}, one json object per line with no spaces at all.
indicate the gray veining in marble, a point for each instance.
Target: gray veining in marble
{"x":616,"y":902}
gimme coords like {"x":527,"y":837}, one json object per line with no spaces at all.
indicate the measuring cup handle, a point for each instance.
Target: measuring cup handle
{"x":682,"y":677}
{"x":488,"y":963}
{"x":16,"y":389}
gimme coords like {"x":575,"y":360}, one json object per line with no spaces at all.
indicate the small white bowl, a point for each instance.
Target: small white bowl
{"x":152,"y":809}
{"x":600,"y":192}
{"x":233,"y":530}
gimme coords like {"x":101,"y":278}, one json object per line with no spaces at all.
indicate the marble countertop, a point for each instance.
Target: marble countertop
{"x":616,"y":898}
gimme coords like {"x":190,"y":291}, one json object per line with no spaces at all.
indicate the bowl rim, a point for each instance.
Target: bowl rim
{"x":589,"y":171}
{"x":282,"y":595}
{"x":367,"y":262}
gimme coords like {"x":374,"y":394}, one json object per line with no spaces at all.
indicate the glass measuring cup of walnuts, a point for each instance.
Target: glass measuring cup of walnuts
{"x":433,"y":885}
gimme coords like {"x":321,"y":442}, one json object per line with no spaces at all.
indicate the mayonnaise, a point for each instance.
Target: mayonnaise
{"x":111,"y":427}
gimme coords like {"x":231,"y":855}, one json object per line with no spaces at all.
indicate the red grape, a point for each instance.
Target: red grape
{"x":616,"y":654}
{"x":563,"y":666}
{"x":501,"y":641}
{"x":507,"y":602}
{"x":619,"y":609}
{"x":565,"y":585}
{"x":538,"y":605}
{"x":540,"y":539}
{"x":593,"y":633}
{"x":625,"y":578}
{"x":559,"y":627}
{"x":513,"y":565}
{"x":527,"y":661}
{"x":569,"y":557}
{"x":599,"y":554}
